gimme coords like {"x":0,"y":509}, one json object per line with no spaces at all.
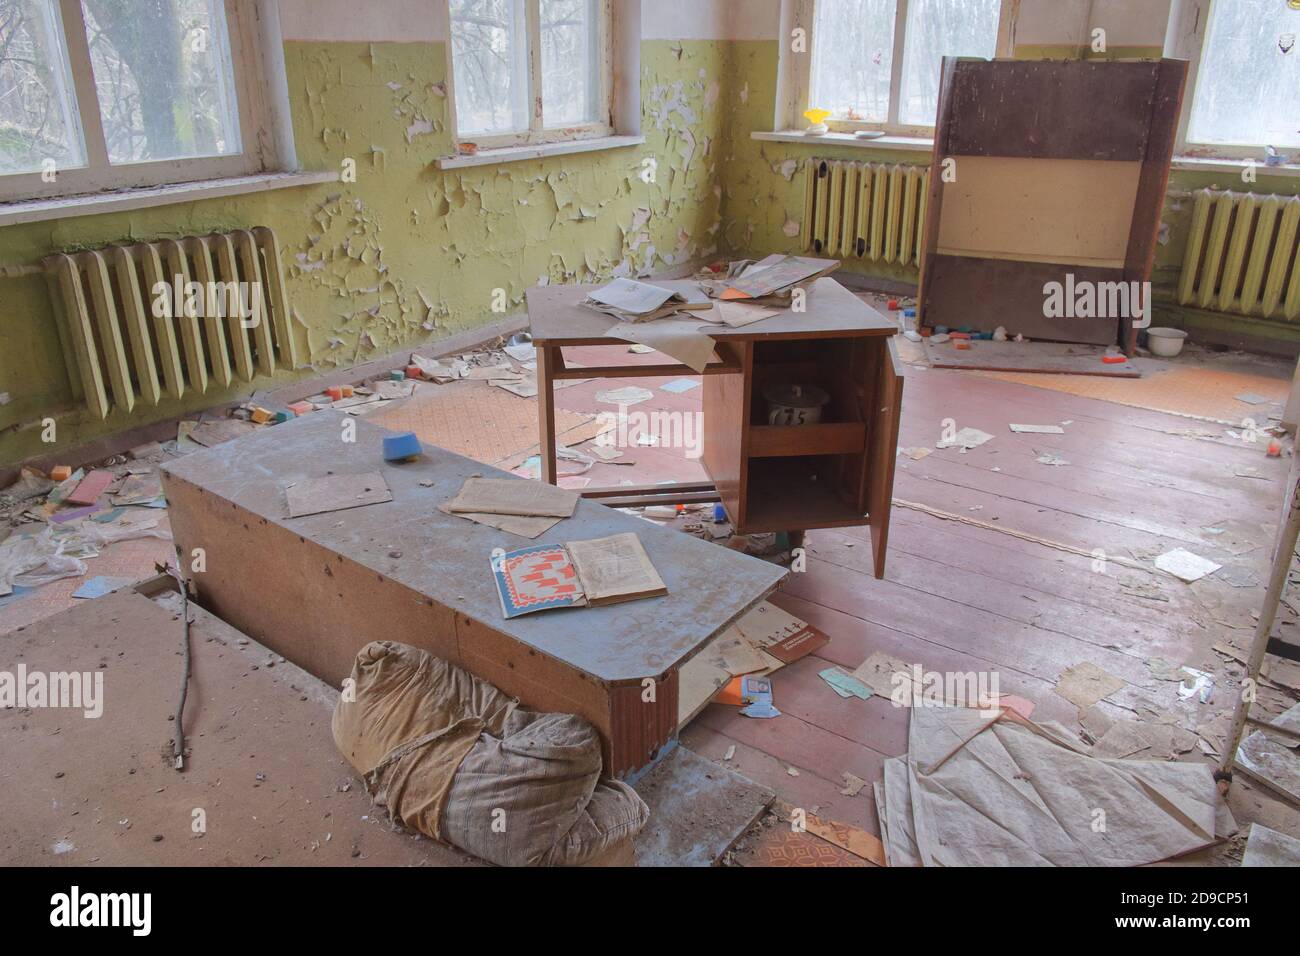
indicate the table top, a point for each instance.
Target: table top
{"x":448,"y":558}
{"x":557,"y":317}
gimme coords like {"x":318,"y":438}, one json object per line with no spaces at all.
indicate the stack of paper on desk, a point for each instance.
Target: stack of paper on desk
{"x":525,"y":508}
{"x":596,"y":572}
{"x":631,"y":301}
{"x":771,"y":281}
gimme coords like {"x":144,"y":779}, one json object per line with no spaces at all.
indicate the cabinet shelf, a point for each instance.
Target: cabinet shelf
{"x":785,"y":441}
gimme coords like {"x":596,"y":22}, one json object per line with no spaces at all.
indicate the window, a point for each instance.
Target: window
{"x":874,"y":64}
{"x":98,"y":94}
{"x":530,"y":71}
{"x":1243,"y":91}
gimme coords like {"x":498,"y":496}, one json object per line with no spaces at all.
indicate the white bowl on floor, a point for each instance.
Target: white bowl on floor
{"x":1165,"y":342}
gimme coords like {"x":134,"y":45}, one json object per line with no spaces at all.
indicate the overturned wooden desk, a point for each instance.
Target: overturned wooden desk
{"x":318,"y":588}
{"x":836,"y":473}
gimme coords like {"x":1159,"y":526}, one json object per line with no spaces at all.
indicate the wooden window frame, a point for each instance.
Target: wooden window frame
{"x":1185,"y":39}
{"x":796,"y":70}
{"x":256,"y":155}
{"x":538,"y":133}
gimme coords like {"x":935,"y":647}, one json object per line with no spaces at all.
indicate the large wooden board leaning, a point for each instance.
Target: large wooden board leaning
{"x":1060,"y":170}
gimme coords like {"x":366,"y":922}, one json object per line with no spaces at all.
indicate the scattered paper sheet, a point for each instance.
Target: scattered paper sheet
{"x":964,"y":439}
{"x":628,"y":395}
{"x":677,"y":338}
{"x":1185,"y":565}
{"x":877,"y":672}
{"x":523,"y":525}
{"x":680,"y":385}
{"x":736,"y":655}
{"x":737,"y":315}
{"x":846,"y":685}
{"x":1038,"y":429}
{"x":1084,"y":684}
{"x":1265,"y":847}
{"x":916,"y":454}
{"x":509,"y":496}
{"x":336,"y":493}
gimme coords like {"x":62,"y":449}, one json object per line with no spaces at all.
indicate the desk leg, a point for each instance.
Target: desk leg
{"x":546,"y":411}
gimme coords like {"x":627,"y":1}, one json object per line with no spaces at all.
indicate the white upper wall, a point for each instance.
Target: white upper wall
{"x":399,"y":21}
{"x":425,"y":21}
{"x":710,"y":19}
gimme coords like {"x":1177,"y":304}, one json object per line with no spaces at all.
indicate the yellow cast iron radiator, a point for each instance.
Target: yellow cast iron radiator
{"x":127,"y":339}
{"x":1243,"y":255}
{"x":866,"y":210}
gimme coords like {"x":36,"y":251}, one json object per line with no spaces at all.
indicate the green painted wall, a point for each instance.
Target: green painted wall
{"x":408,"y":253}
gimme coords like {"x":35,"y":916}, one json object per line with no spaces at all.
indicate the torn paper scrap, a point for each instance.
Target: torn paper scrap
{"x":1038,"y":429}
{"x":1084,"y":684}
{"x":964,"y":439}
{"x":1185,"y":565}
{"x":628,"y":395}
{"x":846,"y":685}
{"x":677,"y":338}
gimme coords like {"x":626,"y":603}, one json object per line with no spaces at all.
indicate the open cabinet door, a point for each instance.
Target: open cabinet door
{"x":882,"y":439}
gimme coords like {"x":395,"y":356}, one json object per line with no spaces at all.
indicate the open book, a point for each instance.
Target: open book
{"x":631,"y":301}
{"x":579,"y":573}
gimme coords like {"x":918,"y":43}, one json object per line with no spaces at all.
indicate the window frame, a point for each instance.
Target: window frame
{"x":97,"y":175}
{"x":796,"y":71}
{"x":1185,"y":39}
{"x":538,"y":134}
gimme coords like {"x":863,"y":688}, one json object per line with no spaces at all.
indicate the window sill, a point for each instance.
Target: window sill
{"x":909,"y":144}
{"x":124,"y":200}
{"x":514,"y":154}
{"x":1210,"y":164}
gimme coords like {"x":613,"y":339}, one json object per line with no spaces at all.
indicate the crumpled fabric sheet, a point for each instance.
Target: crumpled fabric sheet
{"x":451,"y":756}
{"x":978,"y":789}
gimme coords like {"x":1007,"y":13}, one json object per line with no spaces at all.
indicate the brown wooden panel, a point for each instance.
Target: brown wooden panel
{"x":641,"y":727}
{"x":302,"y":600}
{"x":1153,"y":181}
{"x":1071,"y":109}
{"x":986,"y":293}
{"x":934,"y":200}
{"x":887,"y":409}
{"x":726,"y":427}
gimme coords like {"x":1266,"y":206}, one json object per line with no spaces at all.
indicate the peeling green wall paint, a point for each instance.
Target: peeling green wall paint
{"x":407,"y":253}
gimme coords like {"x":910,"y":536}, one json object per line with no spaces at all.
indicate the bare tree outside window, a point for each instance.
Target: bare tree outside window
{"x":38,"y":112}
{"x":1248,"y":84}
{"x":522,"y":68}
{"x":163,"y":78}
{"x":853,"y":55}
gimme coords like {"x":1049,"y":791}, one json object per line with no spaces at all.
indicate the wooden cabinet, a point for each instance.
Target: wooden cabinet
{"x":836,"y":473}
{"x":833,"y":474}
